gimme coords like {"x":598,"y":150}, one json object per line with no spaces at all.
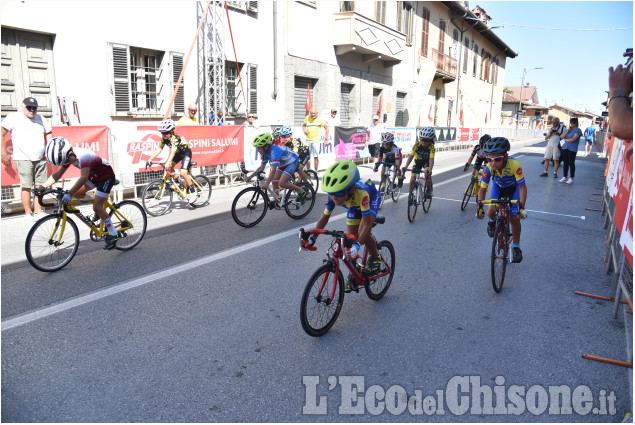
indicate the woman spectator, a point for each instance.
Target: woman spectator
{"x":571,"y":140}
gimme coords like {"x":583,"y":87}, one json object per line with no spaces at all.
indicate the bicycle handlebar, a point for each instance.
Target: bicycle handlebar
{"x":40,"y":194}
{"x":349,"y":239}
{"x":500,"y":202}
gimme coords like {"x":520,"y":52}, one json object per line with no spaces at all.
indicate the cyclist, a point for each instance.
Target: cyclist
{"x":390,"y":153}
{"x":284,"y":163}
{"x":179,"y":152}
{"x":276,"y":137}
{"x":342,"y":183}
{"x":95,"y":173}
{"x":299,"y":148}
{"x":480,"y":157}
{"x":423,"y":154}
{"x":508,"y":181}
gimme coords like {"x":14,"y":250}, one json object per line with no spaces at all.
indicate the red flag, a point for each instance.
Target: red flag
{"x":308,"y":105}
{"x":430,"y":114}
{"x":502,"y":120}
{"x":379,"y":108}
{"x":461,"y":116}
{"x":485,"y":117}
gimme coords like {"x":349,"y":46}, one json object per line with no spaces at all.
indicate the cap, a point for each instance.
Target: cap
{"x":333,"y":110}
{"x":30,"y":101}
{"x":376,"y":117}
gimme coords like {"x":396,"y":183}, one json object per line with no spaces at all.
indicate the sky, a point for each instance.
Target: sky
{"x":575,"y":63}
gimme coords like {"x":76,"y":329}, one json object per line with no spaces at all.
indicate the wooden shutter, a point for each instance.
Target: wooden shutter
{"x":399,"y":106}
{"x":425,"y":33}
{"x":177,"y":66}
{"x":252,"y":78}
{"x":121,"y":78}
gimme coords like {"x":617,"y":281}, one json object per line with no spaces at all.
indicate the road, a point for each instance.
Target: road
{"x":200,"y":322}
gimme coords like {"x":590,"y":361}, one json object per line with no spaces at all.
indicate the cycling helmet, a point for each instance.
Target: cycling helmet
{"x":57,"y":151}
{"x":496,"y":145}
{"x":387,"y":137}
{"x":340,"y":176}
{"x":286,"y":131}
{"x":484,"y":139}
{"x":276,"y":133}
{"x":427,"y":133}
{"x":166,"y":126}
{"x":262,"y":140}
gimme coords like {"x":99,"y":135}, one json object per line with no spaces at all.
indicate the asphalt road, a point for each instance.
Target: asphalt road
{"x":201,"y":321}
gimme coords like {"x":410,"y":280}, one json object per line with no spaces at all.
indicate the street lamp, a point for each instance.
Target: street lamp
{"x":522,"y":83}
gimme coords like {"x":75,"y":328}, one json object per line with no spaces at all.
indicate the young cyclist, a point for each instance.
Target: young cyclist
{"x":390,"y":153}
{"x":423,"y":154}
{"x":508,"y":180}
{"x":299,"y":148}
{"x":284,"y":163}
{"x":480,"y":157}
{"x":96,"y":173}
{"x":179,"y":152}
{"x":276,"y":137}
{"x":342,"y":182}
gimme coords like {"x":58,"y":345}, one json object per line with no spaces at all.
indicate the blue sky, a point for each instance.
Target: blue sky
{"x":575,"y":63}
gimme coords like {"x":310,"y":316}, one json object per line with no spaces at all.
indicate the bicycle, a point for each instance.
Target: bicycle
{"x":472,"y":189}
{"x":312,"y":177}
{"x":418,"y":195}
{"x":251,"y":204}
{"x":156,"y":197}
{"x":324,"y":293}
{"x":50,"y":245}
{"x":501,"y":242}
{"x":389,"y":184}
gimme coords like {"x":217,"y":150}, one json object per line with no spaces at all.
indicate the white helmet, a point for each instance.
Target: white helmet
{"x":166,"y":126}
{"x":427,"y":133}
{"x":57,"y":151}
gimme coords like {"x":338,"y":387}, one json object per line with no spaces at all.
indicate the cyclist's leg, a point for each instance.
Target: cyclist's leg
{"x":186,"y":164}
{"x":514,"y":218}
{"x":302,"y":174}
{"x":286,"y":175}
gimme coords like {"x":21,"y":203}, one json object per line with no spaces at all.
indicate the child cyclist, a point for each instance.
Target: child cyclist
{"x":179,"y":152}
{"x":479,"y":154}
{"x":391,"y":154}
{"x":508,"y":181}
{"x":296,"y":145}
{"x":284,"y":163}
{"x":342,"y":182}
{"x":95,"y":173}
{"x":423,"y":153}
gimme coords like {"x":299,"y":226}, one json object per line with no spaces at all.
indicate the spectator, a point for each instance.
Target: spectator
{"x":571,"y":140}
{"x":251,"y":120}
{"x":374,"y":137}
{"x":29,"y":134}
{"x":333,"y":120}
{"x":589,"y":135}
{"x":190,"y":117}
{"x":217,"y":119}
{"x":620,"y":105}
{"x":311,"y":128}
{"x":552,"y":151}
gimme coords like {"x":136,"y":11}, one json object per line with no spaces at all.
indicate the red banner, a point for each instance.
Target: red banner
{"x":94,"y":138}
{"x":468,"y":134}
{"x":621,"y":191}
{"x":210,"y":145}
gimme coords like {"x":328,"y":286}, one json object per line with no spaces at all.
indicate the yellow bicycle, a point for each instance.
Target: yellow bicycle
{"x":53,"y":240}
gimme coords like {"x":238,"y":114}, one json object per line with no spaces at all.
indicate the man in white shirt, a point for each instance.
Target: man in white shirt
{"x":373,"y":134}
{"x":29,"y":134}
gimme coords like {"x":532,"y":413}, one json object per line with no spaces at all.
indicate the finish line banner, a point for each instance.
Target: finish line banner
{"x":350,"y":143}
{"x":210,"y":145}
{"x":94,"y":138}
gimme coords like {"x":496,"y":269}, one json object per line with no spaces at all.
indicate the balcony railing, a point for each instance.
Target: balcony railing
{"x":446,"y":65}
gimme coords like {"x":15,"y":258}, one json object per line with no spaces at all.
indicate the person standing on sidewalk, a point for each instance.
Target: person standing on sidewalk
{"x":570,"y":150}
{"x":30,"y":132}
{"x":589,"y":134}
{"x":552,"y":151}
{"x":312,"y":128}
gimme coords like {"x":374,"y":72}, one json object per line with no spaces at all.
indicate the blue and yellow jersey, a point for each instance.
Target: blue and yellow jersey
{"x":510,"y":175}
{"x":365,"y":199}
{"x":179,"y":144}
{"x":422,"y":152}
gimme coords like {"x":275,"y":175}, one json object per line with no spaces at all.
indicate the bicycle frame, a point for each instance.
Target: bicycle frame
{"x":418,"y":179}
{"x":502,"y":214}
{"x":270,"y":193}
{"x":168,"y":180}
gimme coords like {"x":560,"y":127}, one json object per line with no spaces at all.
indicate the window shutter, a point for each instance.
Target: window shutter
{"x":121,"y":77}
{"x":252,"y":82}
{"x":399,"y":107}
{"x":252,"y":6}
{"x":299,"y":98}
{"x":179,"y":101}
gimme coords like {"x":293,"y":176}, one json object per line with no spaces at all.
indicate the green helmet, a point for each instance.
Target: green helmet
{"x":262,"y":140}
{"x":340,"y":176}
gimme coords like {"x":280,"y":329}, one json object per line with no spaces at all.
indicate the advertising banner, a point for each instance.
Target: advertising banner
{"x":210,"y":145}
{"x":620,"y":181}
{"x":350,"y":143}
{"x":405,"y":138}
{"x":469,"y":134}
{"x":94,"y":138}
{"x":445,"y":134}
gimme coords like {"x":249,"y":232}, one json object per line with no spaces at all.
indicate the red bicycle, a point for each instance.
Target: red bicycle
{"x":324,"y":293}
{"x":501,"y":242}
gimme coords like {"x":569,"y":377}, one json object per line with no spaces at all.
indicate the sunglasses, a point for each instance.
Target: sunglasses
{"x":31,"y":108}
{"x":164,"y":132}
{"x":193,"y":110}
{"x":340,"y":193}
{"x":251,"y":116}
{"x":497,"y":159}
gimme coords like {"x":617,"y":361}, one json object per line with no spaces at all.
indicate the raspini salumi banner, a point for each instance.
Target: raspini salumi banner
{"x":94,"y":138}
{"x":210,"y":145}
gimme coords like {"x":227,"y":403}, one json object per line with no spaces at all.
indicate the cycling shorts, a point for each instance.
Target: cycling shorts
{"x":510,"y":192}
{"x":420,"y":164}
{"x":185,"y":158}
{"x":304,"y":158}
{"x":289,"y":169}
{"x":103,"y":186}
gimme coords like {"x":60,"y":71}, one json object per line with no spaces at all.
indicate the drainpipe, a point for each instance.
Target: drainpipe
{"x":458,"y":78}
{"x":274,"y":94}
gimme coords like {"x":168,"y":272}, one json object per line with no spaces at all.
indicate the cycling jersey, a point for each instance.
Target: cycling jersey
{"x":179,"y":144}
{"x":478,"y":152}
{"x":364,"y":202}
{"x":300,"y":148}
{"x":100,"y":169}
{"x":390,"y":155}
{"x":279,"y":156}
{"x":510,"y":175}
{"x":422,"y":152}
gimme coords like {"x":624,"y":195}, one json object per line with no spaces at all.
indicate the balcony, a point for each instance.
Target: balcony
{"x":367,"y":38}
{"x":446,"y":66}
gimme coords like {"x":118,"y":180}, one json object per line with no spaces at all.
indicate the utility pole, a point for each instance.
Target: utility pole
{"x":522,"y":84}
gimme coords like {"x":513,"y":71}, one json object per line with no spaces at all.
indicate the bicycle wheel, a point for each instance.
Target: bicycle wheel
{"x":156,"y":198}
{"x":383,"y":191}
{"x":48,"y":247}
{"x":412,"y":202}
{"x":313,"y":177}
{"x":249,"y":207}
{"x":321,"y":301}
{"x":204,"y":190}
{"x":294,"y":207}
{"x":396,"y":190}
{"x":427,"y":199}
{"x":377,"y":287}
{"x":499,"y":255}
{"x":467,"y":195}
{"x":131,"y":222}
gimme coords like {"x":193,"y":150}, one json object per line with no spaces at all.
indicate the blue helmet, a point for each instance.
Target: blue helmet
{"x":286,"y":131}
{"x":496,"y":145}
